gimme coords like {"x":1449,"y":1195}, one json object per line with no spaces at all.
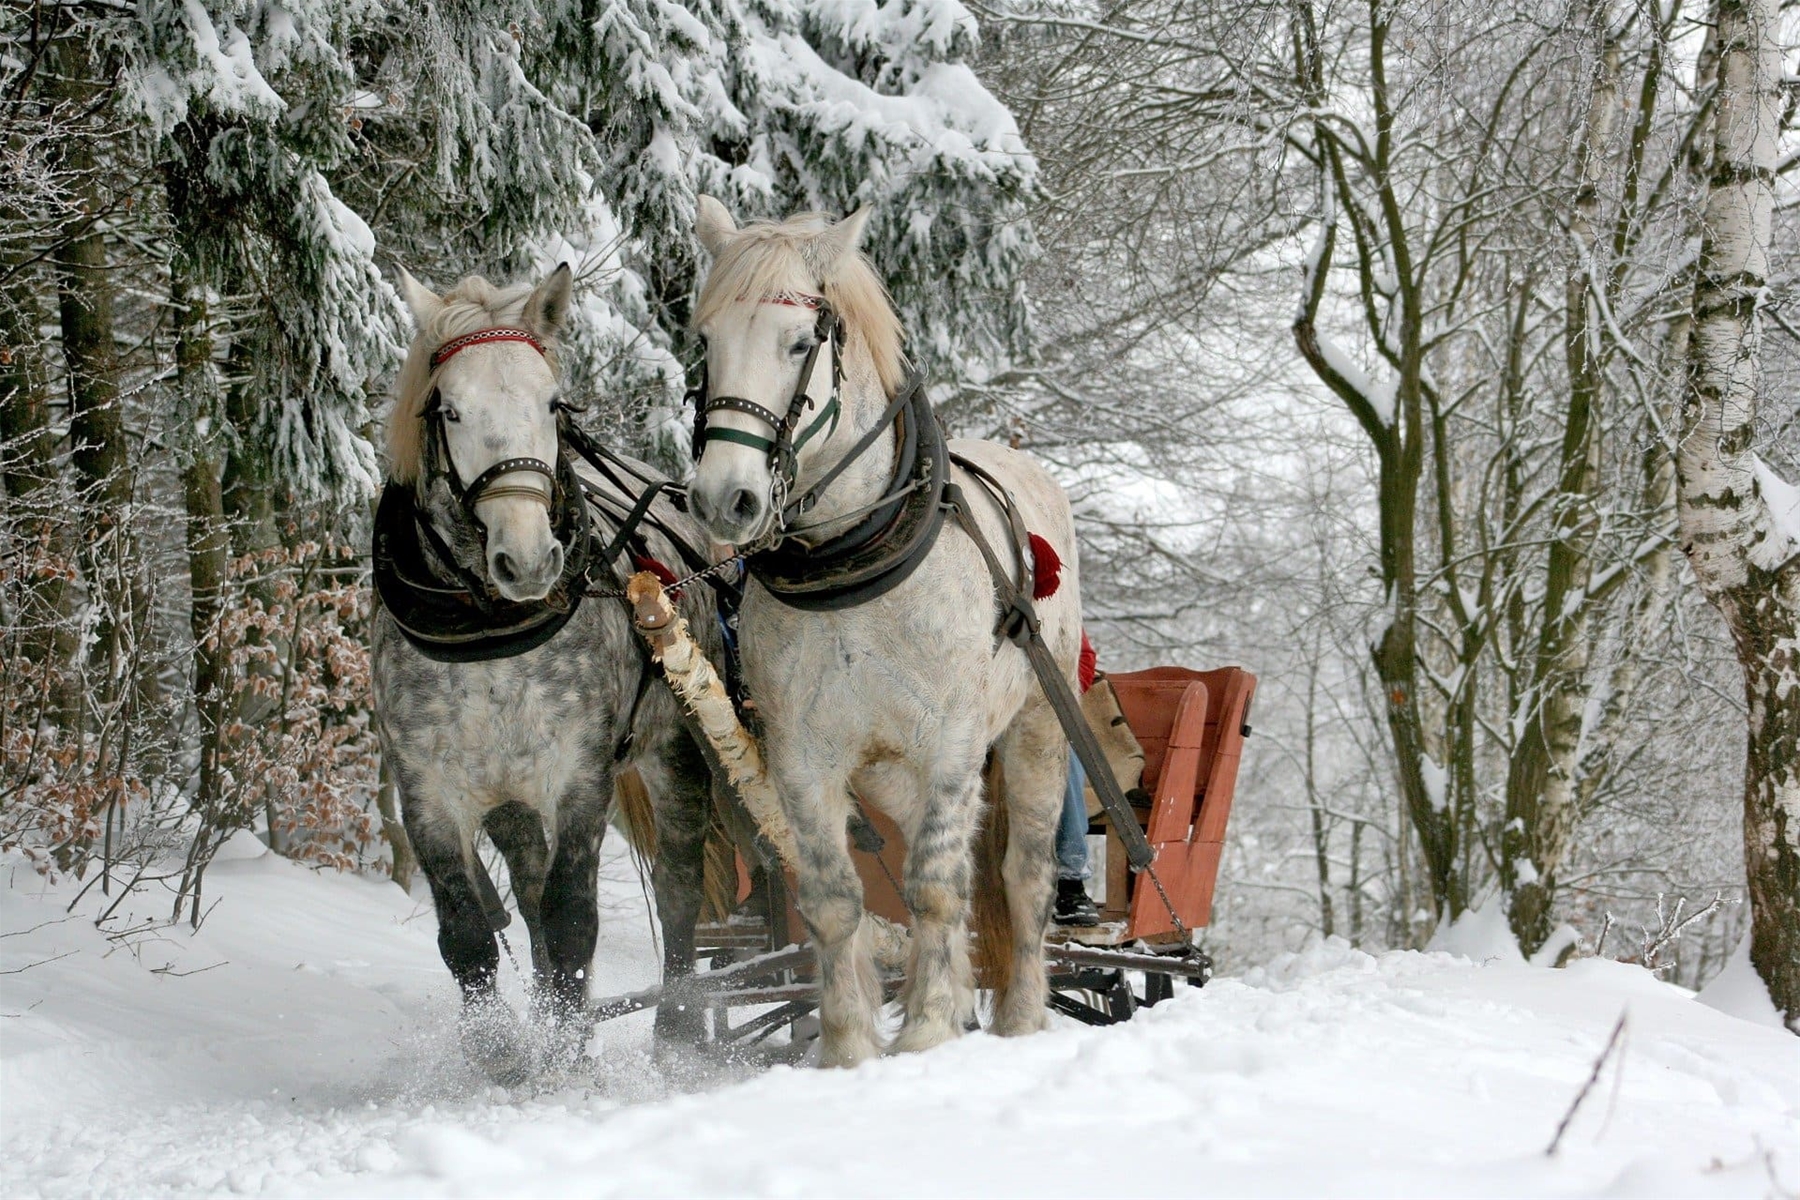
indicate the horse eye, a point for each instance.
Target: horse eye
{"x":800,"y":347}
{"x":451,"y":415}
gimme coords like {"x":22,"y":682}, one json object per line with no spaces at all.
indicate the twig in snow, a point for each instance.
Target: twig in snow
{"x":172,"y":973}
{"x":1599,"y":1065}
{"x":1605,"y":927}
{"x":40,"y":962}
{"x":35,"y":928}
{"x":1671,"y":925}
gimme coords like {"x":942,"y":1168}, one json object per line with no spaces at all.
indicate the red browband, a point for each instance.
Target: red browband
{"x":499,"y":333}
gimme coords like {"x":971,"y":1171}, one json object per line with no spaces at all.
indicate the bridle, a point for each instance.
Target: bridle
{"x":484,"y":486}
{"x":784,"y":447}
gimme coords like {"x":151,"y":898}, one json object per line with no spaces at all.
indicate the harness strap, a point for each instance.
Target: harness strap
{"x":1022,"y":627}
{"x":803,"y":503}
{"x":604,"y":461}
{"x":628,"y":527}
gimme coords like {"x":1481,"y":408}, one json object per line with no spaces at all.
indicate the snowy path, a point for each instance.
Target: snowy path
{"x":317,"y":1059}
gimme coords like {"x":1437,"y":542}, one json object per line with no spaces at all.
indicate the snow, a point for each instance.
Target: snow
{"x":1740,"y":991}
{"x":1481,"y":934}
{"x":1783,"y":499}
{"x":307,"y":1050}
{"x":1379,"y":393}
{"x":1436,"y":781}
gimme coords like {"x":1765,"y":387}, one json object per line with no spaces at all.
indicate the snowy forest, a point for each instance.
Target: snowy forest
{"x":1439,"y":363}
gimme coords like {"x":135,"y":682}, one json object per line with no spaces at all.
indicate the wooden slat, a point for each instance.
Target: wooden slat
{"x":1172,"y":814}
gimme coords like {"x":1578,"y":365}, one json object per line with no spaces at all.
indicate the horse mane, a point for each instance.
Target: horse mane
{"x":767,"y":258}
{"x":470,"y":305}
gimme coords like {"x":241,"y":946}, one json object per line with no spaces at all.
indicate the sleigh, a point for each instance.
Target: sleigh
{"x":1174,"y":738}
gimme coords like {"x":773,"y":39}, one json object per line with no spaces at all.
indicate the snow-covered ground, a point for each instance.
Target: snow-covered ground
{"x":301,"y":1043}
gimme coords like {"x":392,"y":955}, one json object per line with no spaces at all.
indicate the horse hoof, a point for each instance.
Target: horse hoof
{"x":680,"y":1024}
{"x":924,"y":1035}
{"x":491,"y":1042}
{"x":847,"y":1052}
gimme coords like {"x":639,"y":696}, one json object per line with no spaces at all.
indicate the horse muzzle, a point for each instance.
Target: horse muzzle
{"x":733,"y":514}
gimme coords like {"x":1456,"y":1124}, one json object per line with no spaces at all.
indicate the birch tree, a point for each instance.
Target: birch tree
{"x":1740,"y":522}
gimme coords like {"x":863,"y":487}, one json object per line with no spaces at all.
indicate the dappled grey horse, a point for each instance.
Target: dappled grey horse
{"x":508,"y":703}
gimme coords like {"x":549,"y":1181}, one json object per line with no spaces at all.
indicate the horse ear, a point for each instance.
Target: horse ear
{"x":424,"y":303}
{"x":548,"y":306}
{"x":713,"y":225}
{"x":841,"y":239}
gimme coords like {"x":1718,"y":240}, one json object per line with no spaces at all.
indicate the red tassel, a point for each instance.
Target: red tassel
{"x":1046,"y":575}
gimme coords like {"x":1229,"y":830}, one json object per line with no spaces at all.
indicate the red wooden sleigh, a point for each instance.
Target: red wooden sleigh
{"x":1191,"y":726}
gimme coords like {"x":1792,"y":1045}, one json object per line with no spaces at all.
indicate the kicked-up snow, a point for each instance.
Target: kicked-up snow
{"x":301,"y":1044}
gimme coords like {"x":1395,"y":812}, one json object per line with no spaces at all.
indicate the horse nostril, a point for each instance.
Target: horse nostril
{"x":744,"y":504}
{"x":555,"y":564}
{"x":504,"y":570}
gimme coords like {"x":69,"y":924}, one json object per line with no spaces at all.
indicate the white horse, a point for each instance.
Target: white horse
{"x":899,"y":697}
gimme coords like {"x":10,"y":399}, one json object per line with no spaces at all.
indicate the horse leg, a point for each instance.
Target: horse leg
{"x":466,"y":942}
{"x":1034,"y":760}
{"x":830,"y":900}
{"x":518,"y":831}
{"x":571,"y":904}
{"x":940,"y":993}
{"x":680,"y":782}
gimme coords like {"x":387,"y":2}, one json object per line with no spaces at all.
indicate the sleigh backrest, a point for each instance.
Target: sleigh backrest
{"x":1191,"y":725}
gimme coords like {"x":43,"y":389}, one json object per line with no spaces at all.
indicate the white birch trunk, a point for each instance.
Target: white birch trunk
{"x":1747,"y":565}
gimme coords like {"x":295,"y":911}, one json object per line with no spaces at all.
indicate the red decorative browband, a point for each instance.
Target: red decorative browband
{"x":499,"y":333}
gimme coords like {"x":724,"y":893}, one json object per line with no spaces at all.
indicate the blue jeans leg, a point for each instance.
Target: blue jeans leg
{"x":1071,"y":831}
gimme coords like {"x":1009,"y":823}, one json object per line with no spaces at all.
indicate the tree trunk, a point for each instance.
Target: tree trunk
{"x":208,"y":543}
{"x":1747,"y":565}
{"x":1543,"y":775}
{"x":30,"y":480}
{"x":100,"y":455}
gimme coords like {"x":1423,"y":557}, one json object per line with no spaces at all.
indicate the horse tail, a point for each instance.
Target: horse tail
{"x":719,"y":873}
{"x":635,"y":817}
{"x":993,"y":917}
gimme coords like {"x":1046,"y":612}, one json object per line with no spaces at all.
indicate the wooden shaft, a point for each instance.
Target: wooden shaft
{"x":699,"y":687}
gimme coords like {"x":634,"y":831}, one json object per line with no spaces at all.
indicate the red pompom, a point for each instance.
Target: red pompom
{"x":1046,"y":575}
{"x":664,"y":576}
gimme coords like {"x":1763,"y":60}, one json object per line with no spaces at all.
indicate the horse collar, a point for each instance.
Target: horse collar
{"x":884,"y":548}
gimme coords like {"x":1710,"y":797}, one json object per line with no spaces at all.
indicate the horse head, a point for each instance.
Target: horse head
{"x":796,"y":323}
{"x":474,"y":429}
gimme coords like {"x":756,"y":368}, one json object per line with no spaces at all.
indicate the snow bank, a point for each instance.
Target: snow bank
{"x":310,"y":1055}
{"x":1740,"y":991}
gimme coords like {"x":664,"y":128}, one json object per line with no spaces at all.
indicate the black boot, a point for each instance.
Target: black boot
{"x":1072,"y":904}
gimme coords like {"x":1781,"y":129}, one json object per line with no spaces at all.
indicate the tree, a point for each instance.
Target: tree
{"x":1740,"y":522}
{"x":1485,"y":210}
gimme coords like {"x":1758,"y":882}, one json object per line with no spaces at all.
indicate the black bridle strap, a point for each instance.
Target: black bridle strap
{"x":483,"y":488}
{"x":803,"y":503}
{"x":783,"y":446}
